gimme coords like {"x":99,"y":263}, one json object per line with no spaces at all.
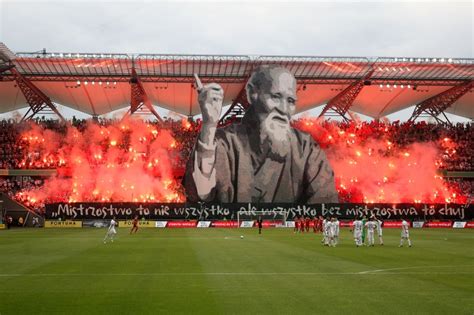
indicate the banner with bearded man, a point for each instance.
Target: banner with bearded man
{"x":262,"y":159}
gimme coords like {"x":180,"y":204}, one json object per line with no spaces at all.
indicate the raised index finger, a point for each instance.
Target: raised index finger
{"x":198,"y":82}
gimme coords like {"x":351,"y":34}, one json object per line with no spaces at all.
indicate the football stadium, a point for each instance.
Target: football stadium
{"x":235,"y":184}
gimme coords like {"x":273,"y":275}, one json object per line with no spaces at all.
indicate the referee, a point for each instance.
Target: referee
{"x":259,"y":223}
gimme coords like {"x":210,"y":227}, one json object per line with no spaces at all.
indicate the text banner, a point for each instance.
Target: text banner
{"x":63,"y":224}
{"x":207,"y":212}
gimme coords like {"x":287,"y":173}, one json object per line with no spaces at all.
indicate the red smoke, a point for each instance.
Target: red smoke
{"x":134,"y":161}
{"x":371,"y":168}
{"x":126,"y":161}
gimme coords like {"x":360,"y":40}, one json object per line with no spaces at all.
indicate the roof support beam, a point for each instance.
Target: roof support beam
{"x":38,"y":101}
{"x":437,"y":104}
{"x":229,"y":79}
{"x":139,"y":101}
{"x":236,"y":110}
{"x":341,"y":103}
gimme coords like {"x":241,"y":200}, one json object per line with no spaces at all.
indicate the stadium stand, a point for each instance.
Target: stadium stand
{"x":454,"y":149}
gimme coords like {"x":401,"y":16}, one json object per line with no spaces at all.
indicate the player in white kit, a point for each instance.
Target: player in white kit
{"x":370,"y":226}
{"x":405,"y":235}
{"x":325,"y":239}
{"x":328,"y":233}
{"x":379,"y":230}
{"x":357,"y":229}
{"x":332,"y":232}
{"x":111,"y":231}
{"x":336,"y":226}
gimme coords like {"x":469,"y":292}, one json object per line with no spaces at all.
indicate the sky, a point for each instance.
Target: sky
{"x":317,"y":28}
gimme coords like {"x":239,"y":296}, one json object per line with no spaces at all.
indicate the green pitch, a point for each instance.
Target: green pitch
{"x":214,"y":271}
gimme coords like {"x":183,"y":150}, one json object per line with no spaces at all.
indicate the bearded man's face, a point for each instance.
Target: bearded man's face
{"x":274,"y":107}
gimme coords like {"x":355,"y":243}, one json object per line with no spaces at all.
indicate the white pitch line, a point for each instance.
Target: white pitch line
{"x":413,"y":267}
{"x":227,"y":274}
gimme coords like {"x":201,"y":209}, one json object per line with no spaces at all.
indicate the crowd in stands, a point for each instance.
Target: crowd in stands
{"x":11,"y":149}
{"x":14,"y":154}
{"x":12,"y":187}
{"x":455,"y":144}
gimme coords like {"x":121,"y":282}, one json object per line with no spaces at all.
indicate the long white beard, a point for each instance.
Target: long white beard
{"x":275,"y":137}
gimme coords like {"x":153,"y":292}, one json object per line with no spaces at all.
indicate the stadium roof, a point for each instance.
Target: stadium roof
{"x":98,"y":83}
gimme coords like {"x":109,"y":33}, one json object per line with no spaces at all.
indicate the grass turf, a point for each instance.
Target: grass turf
{"x":214,"y":271}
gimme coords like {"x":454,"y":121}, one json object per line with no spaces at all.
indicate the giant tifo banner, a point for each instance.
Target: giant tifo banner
{"x":203,"y":212}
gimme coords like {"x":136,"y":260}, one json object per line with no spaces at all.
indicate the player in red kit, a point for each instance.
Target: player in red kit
{"x":320,"y":224}
{"x":307,"y":223}
{"x":135,"y":225}
{"x":297,"y":220}
{"x":315,"y":224}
